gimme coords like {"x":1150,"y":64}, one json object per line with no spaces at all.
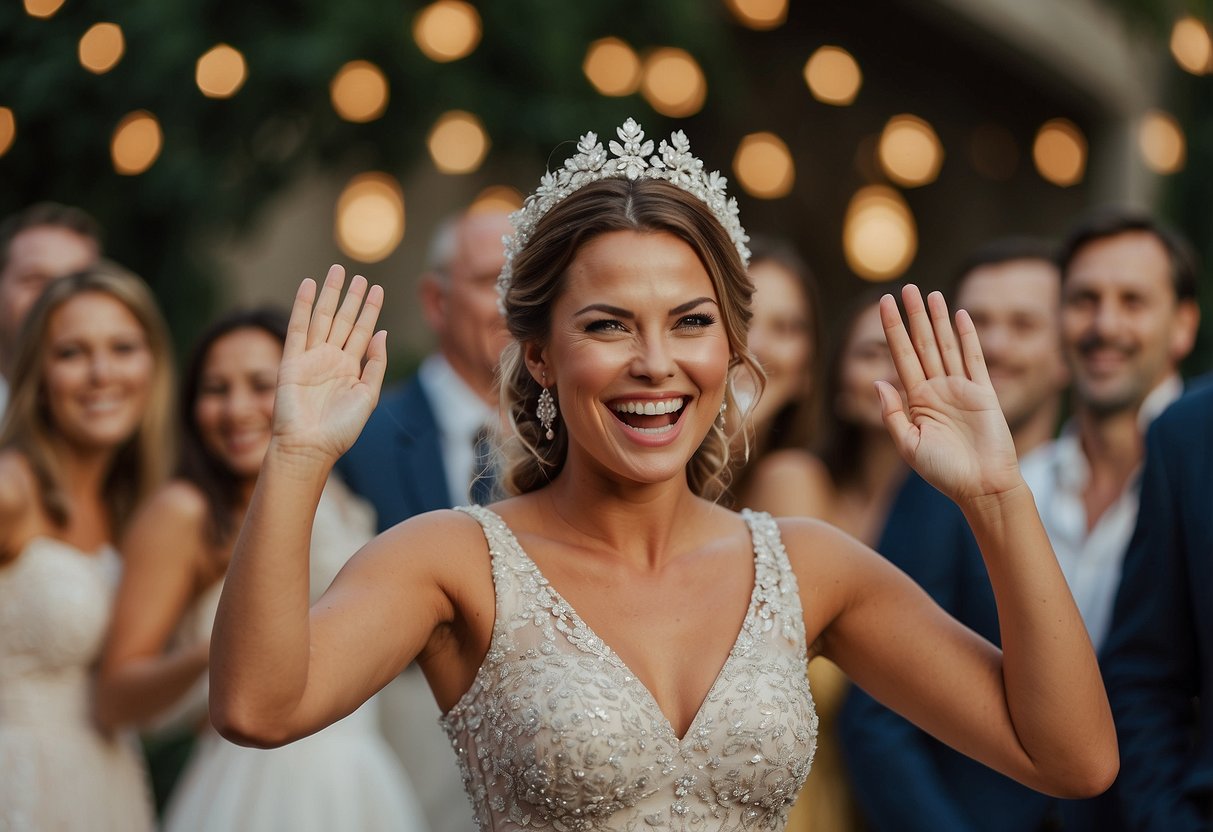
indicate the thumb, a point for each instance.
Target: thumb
{"x":892,"y":410}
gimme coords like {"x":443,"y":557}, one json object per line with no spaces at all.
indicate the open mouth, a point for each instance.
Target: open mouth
{"x":649,"y":415}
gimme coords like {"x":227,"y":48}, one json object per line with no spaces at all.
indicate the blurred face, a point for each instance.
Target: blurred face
{"x":637,"y":355}
{"x":780,"y":336}
{"x":1123,"y":331}
{"x":865,"y":360}
{"x":470,"y":329}
{"x":235,"y":406}
{"x":1016,"y":308}
{"x":37,"y":256}
{"x":97,"y":371}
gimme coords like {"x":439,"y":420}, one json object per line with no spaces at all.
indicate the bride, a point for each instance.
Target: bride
{"x":610,"y":647}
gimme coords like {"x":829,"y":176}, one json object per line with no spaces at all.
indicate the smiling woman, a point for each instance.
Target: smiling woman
{"x":83,"y":441}
{"x":613,"y":649}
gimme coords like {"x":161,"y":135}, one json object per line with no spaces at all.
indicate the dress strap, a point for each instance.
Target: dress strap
{"x":777,"y":591}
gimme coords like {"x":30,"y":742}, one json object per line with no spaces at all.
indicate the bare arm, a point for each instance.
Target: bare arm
{"x":162,"y":553}
{"x":1037,"y":711}
{"x":278,"y":671}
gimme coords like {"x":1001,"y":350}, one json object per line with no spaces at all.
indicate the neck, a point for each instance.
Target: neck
{"x":1038,"y":428}
{"x":1111,"y":442}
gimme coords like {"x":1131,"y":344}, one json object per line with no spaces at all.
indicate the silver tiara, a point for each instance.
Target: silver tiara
{"x":673,"y":162}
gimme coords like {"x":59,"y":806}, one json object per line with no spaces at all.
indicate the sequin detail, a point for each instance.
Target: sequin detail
{"x":556,"y":733}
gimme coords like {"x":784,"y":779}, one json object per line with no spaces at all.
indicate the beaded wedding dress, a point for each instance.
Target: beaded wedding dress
{"x":557,"y":734}
{"x":57,"y":771}
{"x":344,"y":777}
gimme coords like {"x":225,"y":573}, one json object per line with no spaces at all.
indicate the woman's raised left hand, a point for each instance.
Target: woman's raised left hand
{"x":950,"y":427}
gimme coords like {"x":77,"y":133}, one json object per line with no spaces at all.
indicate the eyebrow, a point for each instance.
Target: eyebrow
{"x":624,"y":313}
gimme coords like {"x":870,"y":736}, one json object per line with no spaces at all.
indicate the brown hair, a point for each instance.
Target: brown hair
{"x":142,"y":461}
{"x":47,"y":215}
{"x":644,"y":206}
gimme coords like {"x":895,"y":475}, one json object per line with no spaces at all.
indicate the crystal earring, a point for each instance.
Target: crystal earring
{"x":545,"y":411}
{"x":724,"y":406}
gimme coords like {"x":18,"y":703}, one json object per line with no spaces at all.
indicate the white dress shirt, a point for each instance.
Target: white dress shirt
{"x":1057,"y":473}
{"x":3,"y":397}
{"x":460,"y":414}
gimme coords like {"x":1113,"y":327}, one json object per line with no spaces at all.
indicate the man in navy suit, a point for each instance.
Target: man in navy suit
{"x":418,"y":453}
{"x":905,"y":780}
{"x":1158,"y":663}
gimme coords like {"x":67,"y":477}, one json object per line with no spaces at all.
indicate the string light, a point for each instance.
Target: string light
{"x":458,"y":142}
{"x":496,"y":199}
{"x":1191,"y":46}
{"x":673,"y":83}
{"x":759,"y":14}
{"x":612,"y":67}
{"x":370,"y":217}
{"x":42,"y":8}
{"x":1060,"y":152}
{"x":447,"y":30}
{"x":136,"y":143}
{"x":910,"y":152}
{"x":359,"y":92}
{"x":8,"y":129}
{"x":101,"y":47}
{"x":763,"y":165}
{"x":1162,"y":144}
{"x":879,"y":236}
{"x":833,"y":76}
{"x":221,"y":72}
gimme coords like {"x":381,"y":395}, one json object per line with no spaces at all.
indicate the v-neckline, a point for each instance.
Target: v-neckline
{"x":609,"y":652}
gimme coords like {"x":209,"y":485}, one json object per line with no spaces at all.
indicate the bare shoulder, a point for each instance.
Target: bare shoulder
{"x":793,"y":463}
{"x":168,"y":528}
{"x":792,"y":483}
{"x":179,"y":502}
{"x":18,"y":485}
{"x":444,"y":541}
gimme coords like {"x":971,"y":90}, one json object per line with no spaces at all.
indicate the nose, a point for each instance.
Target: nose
{"x":653,"y":359}
{"x":101,"y":367}
{"x":1107,"y":319}
{"x":237,"y":403}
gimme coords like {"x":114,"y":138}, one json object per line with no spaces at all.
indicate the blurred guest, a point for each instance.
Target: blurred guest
{"x":425,"y":448}
{"x":850,"y":486}
{"x":1012,"y":290}
{"x":1158,"y":662}
{"x":37,"y":245}
{"x":85,"y":439}
{"x":176,"y":553}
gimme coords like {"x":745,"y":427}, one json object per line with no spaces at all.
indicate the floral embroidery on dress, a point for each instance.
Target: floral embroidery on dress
{"x":557,"y":734}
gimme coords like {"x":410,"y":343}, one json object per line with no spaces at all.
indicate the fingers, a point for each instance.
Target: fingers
{"x":343,"y":323}
{"x":301,"y":313}
{"x":376,"y":362}
{"x":892,"y":410}
{"x":905,"y":358}
{"x":945,"y":338}
{"x":326,"y":306}
{"x":970,"y":346}
{"x":364,"y":328}
{"x":922,"y":331}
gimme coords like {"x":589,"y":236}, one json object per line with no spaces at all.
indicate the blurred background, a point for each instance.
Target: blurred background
{"x":231,"y":148}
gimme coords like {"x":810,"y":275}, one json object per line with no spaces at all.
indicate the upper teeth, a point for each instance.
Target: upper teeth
{"x":650,"y":408}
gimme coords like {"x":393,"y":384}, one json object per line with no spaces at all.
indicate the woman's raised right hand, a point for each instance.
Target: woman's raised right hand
{"x":332,"y":369}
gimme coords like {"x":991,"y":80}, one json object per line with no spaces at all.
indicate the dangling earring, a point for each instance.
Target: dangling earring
{"x":545,"y":411}
{"x":724,"y":406}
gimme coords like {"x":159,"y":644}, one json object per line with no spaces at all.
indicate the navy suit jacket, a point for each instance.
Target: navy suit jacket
{"x":905,"y":780}
{"x":1158,"y":662}
{"x":396,"y":463}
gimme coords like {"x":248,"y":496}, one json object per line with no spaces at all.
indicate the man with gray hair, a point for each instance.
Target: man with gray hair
{"x":420,"y":452}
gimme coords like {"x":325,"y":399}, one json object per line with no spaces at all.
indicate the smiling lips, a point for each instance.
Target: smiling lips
{"x":649,"y":415}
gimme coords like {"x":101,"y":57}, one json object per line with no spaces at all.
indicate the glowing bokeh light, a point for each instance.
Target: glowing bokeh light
{"x":1060,"y":152}
{"x":221,"y":72}
{"x":1191,"y":46}
{"x":910,"y":152}
{"x":42,"y":8}
{"x":673,"y":83}
{"x":1162,"y":143}
{"x":447,"y":30}
{"x":136,"y":143}
{"x":8,"y":129}
{"x":833,"y":76}
{"x":879,"y":237}
{"x":359,"y":92}
{"x":763,"y":165}
{"x":496,"y":199}
{"x":458,"y":142}
{"x":101,"y":47}
{"x":370,"y":217}
{"x":759,"y":14}
{"x":612,"y":67}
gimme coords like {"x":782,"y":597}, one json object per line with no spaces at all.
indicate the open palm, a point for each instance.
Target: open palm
{"x":333,"y":363}
{"x":950,"y":427}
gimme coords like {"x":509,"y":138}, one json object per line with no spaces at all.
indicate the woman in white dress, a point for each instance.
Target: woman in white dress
{"x":612,"y":649}
{"x":84,"y":439}
{"x":177,"y":550}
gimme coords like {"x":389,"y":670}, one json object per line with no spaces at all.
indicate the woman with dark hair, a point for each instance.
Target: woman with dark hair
{"x":84,"y":439}
{"x":177,"y":553}
{"x":684,"y":705}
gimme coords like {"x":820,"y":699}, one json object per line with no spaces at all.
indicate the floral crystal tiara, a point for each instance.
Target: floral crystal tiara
{"x":633,"y":160}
